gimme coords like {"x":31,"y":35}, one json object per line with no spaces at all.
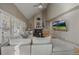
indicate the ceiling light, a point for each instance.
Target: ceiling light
{"x":40,"y":6}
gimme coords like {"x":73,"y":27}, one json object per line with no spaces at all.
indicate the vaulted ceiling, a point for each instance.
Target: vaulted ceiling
{"x":28,"y":9}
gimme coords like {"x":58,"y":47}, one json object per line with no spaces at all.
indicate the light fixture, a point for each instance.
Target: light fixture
{"x":40,"y":6}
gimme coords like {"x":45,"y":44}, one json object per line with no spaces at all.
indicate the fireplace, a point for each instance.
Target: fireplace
{"x":38,"y":32}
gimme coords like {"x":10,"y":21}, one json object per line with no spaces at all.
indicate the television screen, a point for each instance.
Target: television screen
{"x":59,"y":25}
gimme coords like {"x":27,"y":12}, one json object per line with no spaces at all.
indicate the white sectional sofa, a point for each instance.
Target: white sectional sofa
{"x":12,"y":50}
{"x":41,"y":49}
{"x":36,"y":46}
{"x":25,"y":50}
{"x":38,"y":40}
{"x":41,"y":46}
{"x":17,"y":47}
{"x":7,"y":50}
{"x":61,"y":47}
{"x":20,"y":41}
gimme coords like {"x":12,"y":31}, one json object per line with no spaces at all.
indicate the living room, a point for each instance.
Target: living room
{"x":39,"y":28}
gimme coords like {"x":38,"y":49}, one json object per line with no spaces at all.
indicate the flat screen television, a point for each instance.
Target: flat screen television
{"x":59,"y":25}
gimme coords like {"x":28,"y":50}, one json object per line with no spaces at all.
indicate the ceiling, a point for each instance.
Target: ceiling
{"x":28,"y":9}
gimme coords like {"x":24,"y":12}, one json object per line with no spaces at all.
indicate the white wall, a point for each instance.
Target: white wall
{"x":72,"y":21}
{"x":12,"y":9}
{"x":56,"y":9}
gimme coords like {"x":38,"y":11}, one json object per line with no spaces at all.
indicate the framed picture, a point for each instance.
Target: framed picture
{"x":59,"y":25}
